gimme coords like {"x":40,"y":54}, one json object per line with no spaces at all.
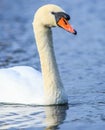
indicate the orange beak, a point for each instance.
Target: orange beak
{"x":63,"y":23}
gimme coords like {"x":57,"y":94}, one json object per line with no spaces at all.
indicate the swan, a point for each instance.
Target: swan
{"x":24,"y":84}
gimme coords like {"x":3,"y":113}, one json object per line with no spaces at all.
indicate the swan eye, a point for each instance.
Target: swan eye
{"x":59,"y":15}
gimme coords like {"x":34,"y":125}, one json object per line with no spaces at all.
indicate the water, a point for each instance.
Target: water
{"x":81,"y":61}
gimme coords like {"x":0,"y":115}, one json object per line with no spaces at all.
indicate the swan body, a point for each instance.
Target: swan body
{"x":25,"y":85}
{"x":17,"y":85}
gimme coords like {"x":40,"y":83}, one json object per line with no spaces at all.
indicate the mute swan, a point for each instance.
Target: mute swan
{"x":25,"y":85}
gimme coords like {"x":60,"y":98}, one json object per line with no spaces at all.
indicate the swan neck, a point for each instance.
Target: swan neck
{"x":53,"y":87}
{"x":50,"y":73}
{"x":47,"y":58}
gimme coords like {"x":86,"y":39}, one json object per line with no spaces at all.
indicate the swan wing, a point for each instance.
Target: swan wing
{"x":21,"y":84}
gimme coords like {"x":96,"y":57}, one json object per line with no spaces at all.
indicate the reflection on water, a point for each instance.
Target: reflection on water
{"x":55,"y":115}
{"x":21,"y":116}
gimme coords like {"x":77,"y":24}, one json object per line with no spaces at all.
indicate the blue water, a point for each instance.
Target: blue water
{"x":81,"y":61}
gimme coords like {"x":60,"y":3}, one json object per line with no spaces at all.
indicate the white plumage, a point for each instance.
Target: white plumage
{"x":25,"y":85}
{"x":21,"y":84}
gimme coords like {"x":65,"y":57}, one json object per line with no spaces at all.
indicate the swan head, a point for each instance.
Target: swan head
{"x":51,"y":16}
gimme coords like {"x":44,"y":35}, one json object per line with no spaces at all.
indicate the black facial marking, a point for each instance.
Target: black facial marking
{"x":59,"y":15}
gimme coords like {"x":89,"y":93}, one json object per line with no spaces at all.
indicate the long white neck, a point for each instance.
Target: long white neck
{"x":53,"y":87}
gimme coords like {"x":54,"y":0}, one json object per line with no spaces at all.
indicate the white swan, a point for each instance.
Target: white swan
{"x":23,"y":84}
